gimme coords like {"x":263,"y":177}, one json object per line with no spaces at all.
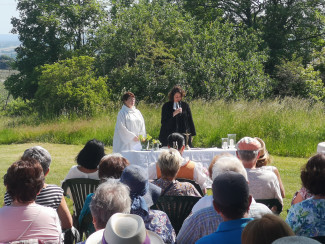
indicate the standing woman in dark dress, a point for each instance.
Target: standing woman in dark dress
{"x":176,"y":116}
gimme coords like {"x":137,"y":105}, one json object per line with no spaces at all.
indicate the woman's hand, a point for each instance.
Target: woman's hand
{"x":136,"y":139}
{"x":177,"y":111}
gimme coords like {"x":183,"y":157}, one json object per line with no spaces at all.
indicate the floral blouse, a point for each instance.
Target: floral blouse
{"x":158,"y":222}
{"x":307,"y":218}
{"x":177,"y":189}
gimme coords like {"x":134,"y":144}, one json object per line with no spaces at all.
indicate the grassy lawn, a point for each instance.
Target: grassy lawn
{"x":63,"y":158}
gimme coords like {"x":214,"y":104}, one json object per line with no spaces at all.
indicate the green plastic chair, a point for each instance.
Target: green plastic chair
{"x":270,"y":203}
{"x":177,"y":208}
{"x":79,"y":188}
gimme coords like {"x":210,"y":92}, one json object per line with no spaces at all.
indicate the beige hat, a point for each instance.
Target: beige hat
{"x":124,"y":229}
{"x":248,"y":144}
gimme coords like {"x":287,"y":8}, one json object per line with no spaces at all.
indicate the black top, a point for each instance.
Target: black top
{"x":180,"y":123}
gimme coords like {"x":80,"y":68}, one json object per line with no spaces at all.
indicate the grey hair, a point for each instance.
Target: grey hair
{"x":247,"y":155}
{"x":41,"y":155}
{"x":169,"y":162}
{"x":109,"y":198}
{"x":228,"y":163}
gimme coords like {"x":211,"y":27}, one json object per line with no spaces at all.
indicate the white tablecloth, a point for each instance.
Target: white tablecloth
{"x":202,"y":155}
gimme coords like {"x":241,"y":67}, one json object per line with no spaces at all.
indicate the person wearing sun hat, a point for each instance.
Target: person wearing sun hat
{"x":124,"y":229}
{"x":264,"y":160}
{"x":157,"y":221}
{"x":263,"y":184}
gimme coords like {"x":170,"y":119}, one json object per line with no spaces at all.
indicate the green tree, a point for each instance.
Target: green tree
{"x":49,"y":31}
{"x":70,"y":87}
{"x":150,"y":47}
{"x":292,"y":79}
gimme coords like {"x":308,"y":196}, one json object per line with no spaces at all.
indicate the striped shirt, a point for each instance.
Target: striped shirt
{"x":50,"y":196}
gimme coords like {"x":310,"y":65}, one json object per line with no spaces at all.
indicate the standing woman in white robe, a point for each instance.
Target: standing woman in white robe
{"x":129,"y":125}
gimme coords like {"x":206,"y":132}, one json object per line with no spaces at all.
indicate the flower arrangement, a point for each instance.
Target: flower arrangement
{"x":145,"y":141}
{"x":149,"y":141}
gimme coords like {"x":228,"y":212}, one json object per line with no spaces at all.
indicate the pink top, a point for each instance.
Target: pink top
{"x":32,"y":221}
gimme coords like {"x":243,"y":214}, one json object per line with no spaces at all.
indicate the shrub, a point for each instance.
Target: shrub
{"x":70,"y":87}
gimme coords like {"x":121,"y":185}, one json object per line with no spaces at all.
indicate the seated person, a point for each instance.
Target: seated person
{"x":169,"y":163}
{"x":50,"y":195}
{"x":205,"y":220}
{"x":307,"y":217}
{"x":24,"y":219}
{"x":263,"y":184}
{"x":87,"y":160}
{"x":301,"y":195}
{"x":110,"y":166}
{"x":265,"y":230}
{"x":188,"y":170}
{"x":155,"y":220}
{"x":263,"y":162}
{"x":231,"y":200}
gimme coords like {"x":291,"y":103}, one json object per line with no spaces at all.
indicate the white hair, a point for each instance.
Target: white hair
{"x":109,"y":198}
{"x":228,"y":163}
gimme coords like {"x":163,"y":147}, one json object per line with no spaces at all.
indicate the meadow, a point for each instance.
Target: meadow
{"x":290,"y":126}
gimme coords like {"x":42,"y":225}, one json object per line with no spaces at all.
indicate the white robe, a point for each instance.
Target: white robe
{"x":129,"y":124}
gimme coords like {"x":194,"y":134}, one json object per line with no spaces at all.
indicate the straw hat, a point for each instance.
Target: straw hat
{"x":124,"y":229}
{"x":295,"y":240}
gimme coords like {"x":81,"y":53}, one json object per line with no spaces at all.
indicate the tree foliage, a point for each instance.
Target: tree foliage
{"x":49,"y":31}
{"x":152,"y":47}
{"x":70,"y":87}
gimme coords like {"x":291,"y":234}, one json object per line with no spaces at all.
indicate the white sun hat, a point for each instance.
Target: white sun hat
{"x":124,"y":229}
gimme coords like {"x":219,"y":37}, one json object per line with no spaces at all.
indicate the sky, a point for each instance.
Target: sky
{"x":7,"y":10}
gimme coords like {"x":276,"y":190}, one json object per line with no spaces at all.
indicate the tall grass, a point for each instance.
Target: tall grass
{"x":290,"y":127}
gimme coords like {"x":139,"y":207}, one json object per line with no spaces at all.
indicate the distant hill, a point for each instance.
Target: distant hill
{"x":8,"y":43}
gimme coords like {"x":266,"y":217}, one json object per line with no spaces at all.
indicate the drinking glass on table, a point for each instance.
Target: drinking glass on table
{"x":224,"y":143}
{"x":232,"y":140}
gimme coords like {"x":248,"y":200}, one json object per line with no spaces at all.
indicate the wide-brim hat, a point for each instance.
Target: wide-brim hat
{"x":124,"y":229}
{"x":152,"y":195}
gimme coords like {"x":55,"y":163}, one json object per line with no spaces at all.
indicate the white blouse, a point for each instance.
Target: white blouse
{"x":129,"y":124}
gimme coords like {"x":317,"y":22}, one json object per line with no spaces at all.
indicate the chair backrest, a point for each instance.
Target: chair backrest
{"x":321,"y":239}
{"x":194,"y":183}
{"x":177,"y":208}
{"x":80,"y":188}
{"x":270,"y":203}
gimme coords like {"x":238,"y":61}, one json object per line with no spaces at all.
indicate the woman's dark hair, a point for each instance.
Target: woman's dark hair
{"x":24,"y":180}
{"x":176,"y":89}
{"x":313,"y":175}
{"x":127,"y":95}
{"x":176,"y":141}
{"x":112,"y":166}
{"x":90,"y":156}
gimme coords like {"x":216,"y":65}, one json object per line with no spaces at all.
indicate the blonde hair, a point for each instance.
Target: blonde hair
{"x":169,"y":162}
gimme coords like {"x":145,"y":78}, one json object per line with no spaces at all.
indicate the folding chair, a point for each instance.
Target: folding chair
{"x":177,"y":208}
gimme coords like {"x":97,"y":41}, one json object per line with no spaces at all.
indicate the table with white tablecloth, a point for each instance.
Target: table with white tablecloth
{"x":202,"y":155}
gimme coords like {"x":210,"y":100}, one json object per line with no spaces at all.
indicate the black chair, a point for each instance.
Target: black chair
{"x":194,"y":183}
{"x":321,"y":239}
{"x":270,"y":203}
{"x":79,"y":188}
{"x":177,"y":208}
